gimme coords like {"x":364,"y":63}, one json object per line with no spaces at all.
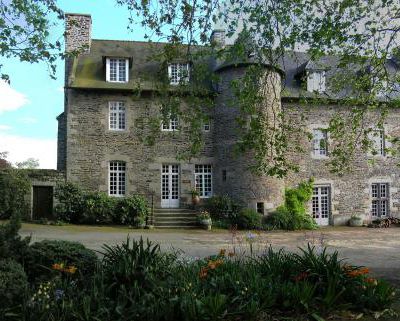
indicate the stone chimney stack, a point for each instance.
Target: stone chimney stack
{"x":78,"y":32}
{"x":218,"y":38}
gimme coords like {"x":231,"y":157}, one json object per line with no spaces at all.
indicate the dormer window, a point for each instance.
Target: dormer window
{"x":316,"y":81}
{"x":117,"y":69}
{"x":178,"y":73}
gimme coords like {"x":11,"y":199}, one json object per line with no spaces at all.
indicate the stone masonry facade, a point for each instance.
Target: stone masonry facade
{"x":87,"y":146}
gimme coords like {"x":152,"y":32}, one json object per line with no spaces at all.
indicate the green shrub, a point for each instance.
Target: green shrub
{"x":98,"y":208}
{"x":12,"y":245}
{"x":13,"y":284}
{"x":14,"y":186}
{"x":223,"y":207}
{"x":293,"y":215}
{"x":42,"y":255}
{"x":249,"y":219}
{"x":71,"y":202}
{"x":131,"y":210}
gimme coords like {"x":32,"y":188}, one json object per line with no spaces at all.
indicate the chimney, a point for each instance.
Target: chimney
{"x":218,"y":38}
{"x":78,"y":32}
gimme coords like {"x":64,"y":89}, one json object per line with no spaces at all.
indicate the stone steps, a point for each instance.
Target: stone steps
{"x":175,"y":218}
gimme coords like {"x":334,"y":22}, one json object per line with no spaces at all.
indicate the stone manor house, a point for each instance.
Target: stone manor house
{"x":100,"y":136}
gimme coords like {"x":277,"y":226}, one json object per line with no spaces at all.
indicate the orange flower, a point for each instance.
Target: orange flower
{"x":222,"y":252}
{"x":357,"y":272}
{"x":218,"y":262}
{"x":71,"y":269}
{"x":371,"y":281}
{"x":211,"y":265}
{"x":230,"y":254}
{"x":203,"y":272}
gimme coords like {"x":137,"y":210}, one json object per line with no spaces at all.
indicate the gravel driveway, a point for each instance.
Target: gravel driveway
{"x":379,"y":249}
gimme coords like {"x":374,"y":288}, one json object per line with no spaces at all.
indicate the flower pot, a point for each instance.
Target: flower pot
{"x":356,"y":221}
{"x":195,"y":200}
{"x":206,"y":223}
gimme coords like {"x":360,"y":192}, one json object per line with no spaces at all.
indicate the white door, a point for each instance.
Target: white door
{"x":170,"y":186}
{"x":321,"y":204}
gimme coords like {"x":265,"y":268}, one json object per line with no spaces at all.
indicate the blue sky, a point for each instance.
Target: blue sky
{"x":28,"y":109}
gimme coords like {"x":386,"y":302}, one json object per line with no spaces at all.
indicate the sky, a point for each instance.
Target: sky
{"x":30,"y":105}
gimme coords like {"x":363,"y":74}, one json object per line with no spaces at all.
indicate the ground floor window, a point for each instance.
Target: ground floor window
{"x":260,"y":207}
{"x":321,"y":204}
{"x":380,"y":199}
{"x":203,"y":179}
{"x":117,"y":178}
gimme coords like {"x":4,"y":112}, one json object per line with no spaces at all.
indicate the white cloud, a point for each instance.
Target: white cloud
{"x":5,"y":127}
{"x":28,"y":120}
{"x":21,"y":148}
{"x":10,"y":99}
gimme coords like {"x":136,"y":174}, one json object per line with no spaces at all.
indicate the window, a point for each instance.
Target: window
{"x":117,"y":69}
{"x":260,"y":207}
{"x":320,"y":142}
{"x":171,"y":125}
{"x":321,"y":204}
{"x":380,"y":199}
{"x":203,"y":180}
{"x":316,"y":81}
{"x":178,"y":72}
{"x":117,"y":117}
{"x":378,"y":142}
{"x":206,"y":126}
{"x":117,"y":179}
{"x":224,"y":175}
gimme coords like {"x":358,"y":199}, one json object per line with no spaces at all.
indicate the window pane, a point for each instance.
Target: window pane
{"x":117,"y":179}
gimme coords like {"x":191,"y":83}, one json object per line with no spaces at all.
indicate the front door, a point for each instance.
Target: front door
{"x":42,"y":202}
{"x":170,"y":186}
{"x":321,"y":204}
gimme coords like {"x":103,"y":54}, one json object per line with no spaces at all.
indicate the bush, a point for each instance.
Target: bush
{"x":12,"y":245}
{"x":14,"y":186}
{"x":223,"y":207}
{"x":293,"y":214}
{"x":13,"y":284}
{"x":97,"y":208}
{"x":131,"y":210}
{"x":249,"y":219}
{"x":71,"y":202}
{"x":42,"y":255}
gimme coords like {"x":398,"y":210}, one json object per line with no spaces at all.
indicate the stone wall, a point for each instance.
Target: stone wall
{"x":351,"y":192}
{"x":91,"y":145}
{"x":61,"y":142}
{"x":78,"y":32}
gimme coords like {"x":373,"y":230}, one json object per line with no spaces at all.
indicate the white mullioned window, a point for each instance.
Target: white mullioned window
{"x":316,"y":81}
{"x":321,"y":204}
{"x":377,"y":137}
{"x":380,"y":199}
{"x":320,"y":142}
{"x":117,"y":115}
{"x":171,"y":125}
{"x":203,"y":180}
{"x":117,"y":69}
{"x":178,"y":73}
{"x":117,"y":178}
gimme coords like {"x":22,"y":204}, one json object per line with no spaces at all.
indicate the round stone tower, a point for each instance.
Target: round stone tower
{"x":232,"y":170}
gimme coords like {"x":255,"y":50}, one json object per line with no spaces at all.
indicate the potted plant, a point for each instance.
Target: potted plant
{"x":204,"y":219}
{"x":356,"y":220}
{"x":195,"y":197}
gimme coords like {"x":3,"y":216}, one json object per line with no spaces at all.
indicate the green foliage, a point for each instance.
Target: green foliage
{"x":12,"y":245}
{"x":13,"y":285}
{"x":42,"y":255}
{"x":249,"y":219}
{"x":293,"y":215}
{"x":223,"y":207}
{"x":131,"y":210}
{"x":14,"y":187}
{"x":78,"y":206}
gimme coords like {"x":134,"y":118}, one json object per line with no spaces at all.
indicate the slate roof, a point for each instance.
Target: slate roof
{"x":88,"y":70}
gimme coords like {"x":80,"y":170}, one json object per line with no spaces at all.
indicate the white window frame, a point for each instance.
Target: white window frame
{"x":171,"y":126}
{"x":378,"y":197}
{"x":108,"y":70}
{"x":203,"y":177}
{"x":182,"y":73}
{"x":117,"y":178}
{"x":317,"y":203}
{"x":377,"y":136}
{"x":316,"y":81}
{"x":207,"y":126}
{"x":116,"y":116}
{"x":319,"y":135}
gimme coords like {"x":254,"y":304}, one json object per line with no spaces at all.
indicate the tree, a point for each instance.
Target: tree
{"x":30,"y":163}
{"x":3,"y":160}
{"x":24,"y":32}
{"x":359,"y":34}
